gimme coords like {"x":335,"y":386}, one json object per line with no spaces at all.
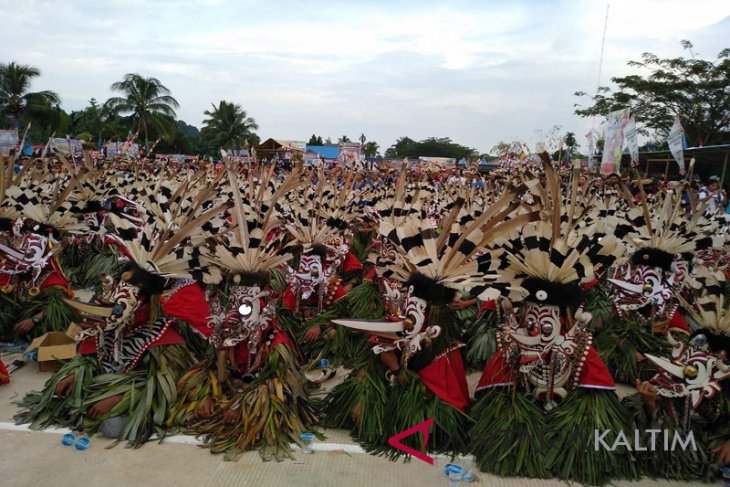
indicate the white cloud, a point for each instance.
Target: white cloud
{"x":475,"y":71}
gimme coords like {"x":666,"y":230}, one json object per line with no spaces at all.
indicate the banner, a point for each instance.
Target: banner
{"x":67,"y":146}
{"x":591,"y":149}
{"x":675,"y":141}
{"x":8,"y":140}
{"x":614,"y":143}
{"x":632,"y":140}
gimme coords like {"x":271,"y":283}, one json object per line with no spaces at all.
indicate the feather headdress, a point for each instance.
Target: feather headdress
{"x":551,"y":257}
{"x":245,"y":248}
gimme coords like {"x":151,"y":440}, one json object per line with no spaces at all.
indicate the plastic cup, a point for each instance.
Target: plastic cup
{"x":453,"y":473}
{"x":323,"y":363}
{"x":307,"y":440}
{"x":68,"y":439}
{"x":82,"y":443}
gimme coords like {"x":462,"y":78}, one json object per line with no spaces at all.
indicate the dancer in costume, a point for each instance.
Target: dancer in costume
{"x":37,"y":217}
{"x":417,"y":370}
{"x":690,"y":394}
{"x":646,"y":284}
{"x":257,"y":397}
{"x":546,"y":390}
{"x":132,"y":354}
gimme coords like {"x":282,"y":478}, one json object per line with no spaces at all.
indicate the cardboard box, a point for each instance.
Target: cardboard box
{"x":52,"y":348}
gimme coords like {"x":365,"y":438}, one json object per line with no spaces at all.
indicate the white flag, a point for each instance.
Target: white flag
{"x":632,"y":140}
{"x":676,"y":134}
{"x":614,"y":142}
{"x":591,"y":149}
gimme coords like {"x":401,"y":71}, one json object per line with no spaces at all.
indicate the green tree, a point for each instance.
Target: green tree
{"x":328,"y":141}
{"x":696,"y":89}
{"x":148,"y":100}
{"x":343,"y":139}
{"x":370,"y":149}
{"x":402,"y":148}
{"x":16,"y":99}
{"x":315,"y":140}
{"x":363,"y":139}
{"x":227,"y":127}
{"x":92,"y":119}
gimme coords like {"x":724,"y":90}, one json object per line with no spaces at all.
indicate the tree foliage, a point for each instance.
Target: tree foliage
{"x":18,"y":102}
{"x":430,"y":147}
{"x":370,"y":149}
{"x":315,"y":140}
{"x":228,"y":127}
{"x":696,"y":89}
{"x":148,"y":101}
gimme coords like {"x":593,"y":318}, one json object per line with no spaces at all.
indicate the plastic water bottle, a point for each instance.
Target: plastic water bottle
{"x":68,"y":439}
{"x":82,"y":443}
{"x":454,"y":474}
{"x":307,"y":440}
{"x":725,"y":475}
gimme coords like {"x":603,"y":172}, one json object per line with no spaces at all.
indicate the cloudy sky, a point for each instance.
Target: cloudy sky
{"x":478,"y":72}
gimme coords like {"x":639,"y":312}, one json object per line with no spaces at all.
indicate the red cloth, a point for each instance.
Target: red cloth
{"x":4,"y":375}
{"x":351,"y":263}
{"x":589,"y":284}
{"x":595,"y":374}
{"x":678,"y":323}
{"x":446,"y":378}
{"x":370,"y":275}
{"x":489,"y":304}
{"x":189,"y":305}
{"x":496,"y":373}
{"x":289,"y":300}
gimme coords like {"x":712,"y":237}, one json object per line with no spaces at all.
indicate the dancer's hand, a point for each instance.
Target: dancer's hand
{"x":312,"y":333}
{"x":104,"y":406}
{"x":24,"y":326}
{"x":65,"y":386}
{"x":723,"y":453}
{"x":648,"y":393}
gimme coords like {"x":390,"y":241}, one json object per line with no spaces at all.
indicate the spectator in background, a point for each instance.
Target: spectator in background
{"x":713,"y":194}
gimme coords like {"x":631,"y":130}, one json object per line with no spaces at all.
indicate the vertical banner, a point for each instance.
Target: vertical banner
{"x":675,"y":141}
{"x":614,"y":143}
{"x":591,"y":149}
{"x":632,"y":140}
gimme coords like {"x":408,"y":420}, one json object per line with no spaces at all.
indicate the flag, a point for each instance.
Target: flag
{"x":632,"y":140}
{"x":615,"y":122}
{"x":591,"y":149}
{"x":676,"y":145}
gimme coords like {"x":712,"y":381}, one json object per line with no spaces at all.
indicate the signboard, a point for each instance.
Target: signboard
{"x":8,"y":140}
{"x":122,"y":149}
{"x":67,"y":146}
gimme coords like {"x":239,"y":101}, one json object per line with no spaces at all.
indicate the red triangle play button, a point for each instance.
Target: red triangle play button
{"x":394,"y":440}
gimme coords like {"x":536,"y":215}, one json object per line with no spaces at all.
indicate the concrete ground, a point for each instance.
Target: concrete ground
{"x":38,"y":458}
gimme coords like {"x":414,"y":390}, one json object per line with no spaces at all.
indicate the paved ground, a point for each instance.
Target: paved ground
{"x":38,"y":458}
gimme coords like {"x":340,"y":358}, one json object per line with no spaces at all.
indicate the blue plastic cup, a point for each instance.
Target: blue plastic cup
{"x":323,"y":363}
{"x":307,"y":440}
{"x":453,"y":473}
{"x":82,"y":443}
{"x":68,"y":439}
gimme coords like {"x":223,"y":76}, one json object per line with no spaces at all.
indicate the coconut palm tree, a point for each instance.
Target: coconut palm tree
{"x":228,"y":127}
{"x":17,"y":100}
{"x":147,"y":99}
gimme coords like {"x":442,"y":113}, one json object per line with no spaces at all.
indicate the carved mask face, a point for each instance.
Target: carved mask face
{"x":125,"y":299}
{"x":247,"y":313}
{"x":692,"y":372}
{"x":310,"y":275}
{"x":639,"y":287}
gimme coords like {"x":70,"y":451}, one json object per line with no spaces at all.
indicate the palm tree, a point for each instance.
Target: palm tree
{"x":228,"y":127}
{"x":343,"y":139}
{"x":16,"y":99}
{"x":148,"y":101}
{"x":370,"y":149}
